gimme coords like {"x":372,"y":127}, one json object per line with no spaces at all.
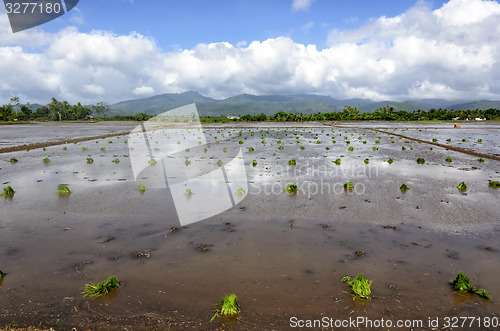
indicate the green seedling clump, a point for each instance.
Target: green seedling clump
{"x":188,"y":192}
{"x":292,"y":162}
{"x":8,"y":191}
{"x":46,"y":160}
{"x":187,"y":162}
{"x":302,"y":148}
{"x":219,"y":163}
{"x":360,"y":286}
{"x":13,"y":160}
{"x":63,"y":190}
{"x":462,"y":186}
{"x":404,"y":188}
{"x":103,"y":149}
{"x":90,"y":160}
{"x":65,"y":148}
{"x":464,"y":140}
{"x":403,"y":148}
{"x":350,"y":149}
{"x":228,"y":306}
{"x":448,"y":159}
{"x":254,"y":163}
{"x":420,"y":160}
{"x":390,"y":161}
{"x":348,"y":186}
{"x":480,"y":159}
{"x":116,"y":161}
{"x":2,"y":274}
{"x":337,"y":161}
{"x":152,"y":162}
{"x":142,"y":188}
{"x":291,"y":188}
{"x":239,"y":191}
{"x":367,"y":161}
{"x":251,"y":149}
{"x":461,"y":283}
{"x":493,"y":183}
{"x":280,"y":148}
{"x":374,"y":148}
{"x":480,"y":140}
{"x":94,"y":291}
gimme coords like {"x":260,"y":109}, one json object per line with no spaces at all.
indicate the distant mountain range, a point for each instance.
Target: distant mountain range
{"x":270,"y":104}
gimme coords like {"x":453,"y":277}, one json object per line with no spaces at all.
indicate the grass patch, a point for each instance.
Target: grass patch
{"x":461,"y":283}
{"x":360,"y":286}
{"x":142,"y":188}
{"x":291,"y":188}
{"x":8,"y":191}
{"x":95,"y":291}
{"x":404,"y":188}
{"x":63,"y":190}
{"x":493,"y":183}
{"x":420,"y":160}
{"x":292,"y":162}
{"x":448,"y":159}
{"x":46,"y":160}
{"x":348,"y":186}
{"x":228,"y":306}
{"x":462,"y":186}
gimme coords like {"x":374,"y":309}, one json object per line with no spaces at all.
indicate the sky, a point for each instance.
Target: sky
{"x":114,"y":50}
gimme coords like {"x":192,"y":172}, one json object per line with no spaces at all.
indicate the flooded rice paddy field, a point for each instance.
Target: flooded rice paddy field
{"x":282,"y":254}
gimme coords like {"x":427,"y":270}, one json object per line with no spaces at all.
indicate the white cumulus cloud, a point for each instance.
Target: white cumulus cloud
{"x":421,"y":53}
{"x":298,"y":5}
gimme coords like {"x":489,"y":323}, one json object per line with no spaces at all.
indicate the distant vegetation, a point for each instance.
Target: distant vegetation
{"x":63,"y":111}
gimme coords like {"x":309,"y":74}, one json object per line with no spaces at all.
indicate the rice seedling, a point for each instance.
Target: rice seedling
{"x":187,"y":162}
{"x":110,"y":142}
{"x":116,"y":161}
{"x":493,"y":183}
{"x":27,"y":149}
{"x":254,"y":163}
{"x":480,"y":159}
{"x":46,"y":160}
{"x":103,"y":149}
{"x":240,"y":191}
{"x":480,"y":140}
{"x":224,"y":149}
{"x":462,"y":186}
{"x":95,"y":291}
{"x":448,"y":140}
{"x":420,"y":160}
{"x":337,"y":161}
{"x":63,"y":190}
{"x":431,"y":149}
{"x":13,"y":160}
{"x":280,"y":148}
{"x":327,"y":148}
{"x":228,"y":306}
{"x":464,"y":140}
{"x":302,"y":148}
{"x":291,"y":188}
{"x":219,"y":163}
{"x":44,"y":149}
{"x":142,"y":188}
{"x":348,"y":186}
{"x":152,"y":162}
{"x":2,"y":274}
{"x":350,"y":149}
{"x":360,"y":286}
{"x":404,"y":188}
{"x":461,"y":283}
{"x":84,"y":149}
{"x":403,"y":148}
{"x":8,"y":192}
{"x":263,"y":141}
{"x":90,"y":160}
{"x":434,"y":140}
{"x":390,"y":161}
{"x":375,"y":148}
{"x":448,"y":159}
{"x":205,"y":150}
{"x":366,"y":161}
{"x":377,"y":141}
{"x":251,"y":149}
{"x":188,"y":193}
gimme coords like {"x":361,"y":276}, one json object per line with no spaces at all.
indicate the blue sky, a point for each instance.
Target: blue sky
{"x":184,"y":24}
{"x":114,"y":50}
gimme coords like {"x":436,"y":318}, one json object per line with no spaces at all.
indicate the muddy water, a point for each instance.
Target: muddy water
{"x":282,"y":254}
